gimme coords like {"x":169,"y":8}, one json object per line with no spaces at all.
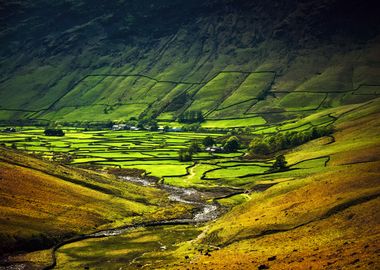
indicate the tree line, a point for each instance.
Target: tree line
{"x":231,"y":144}
{"x":191,"y":117}
{"x":261,"y":146}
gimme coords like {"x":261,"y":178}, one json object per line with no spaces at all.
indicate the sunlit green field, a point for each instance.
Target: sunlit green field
{"x":156,"y":153}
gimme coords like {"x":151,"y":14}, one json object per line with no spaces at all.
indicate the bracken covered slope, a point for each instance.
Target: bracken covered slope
{"x":43,"y":202}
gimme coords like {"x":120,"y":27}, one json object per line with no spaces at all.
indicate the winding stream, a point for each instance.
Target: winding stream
{"x":191,"y":196}
{"x":205,"y":212}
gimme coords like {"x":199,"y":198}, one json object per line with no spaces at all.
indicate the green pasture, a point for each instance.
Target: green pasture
{"x":251,"y":88}
{"x":235,"y":171}
{"x":234,"y":200}
{"x":193,"y":179}
{"x":300,"y":101}
{"x":309,"y":164}
{"x":228,"y":123}
{"x":172,"y":168}
{"x":215,"y":91}
{"x":157,"y":152}
{"x":233,"y":111}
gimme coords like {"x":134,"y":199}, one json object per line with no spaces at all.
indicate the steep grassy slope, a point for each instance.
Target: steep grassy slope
{"x":131,"y":58}
{"x":42,"y":202}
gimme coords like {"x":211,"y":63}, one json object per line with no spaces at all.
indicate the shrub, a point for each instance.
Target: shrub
{"x":191,"y":127}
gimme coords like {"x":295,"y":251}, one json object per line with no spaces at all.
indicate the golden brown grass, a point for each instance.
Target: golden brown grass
{"x":326,"y":220}
{"x":38,"y":206}
{"x":347,"y":240}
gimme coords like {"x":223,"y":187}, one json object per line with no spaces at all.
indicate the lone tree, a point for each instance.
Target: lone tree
{"x":280,"y":164}
{"x":208,"y":141}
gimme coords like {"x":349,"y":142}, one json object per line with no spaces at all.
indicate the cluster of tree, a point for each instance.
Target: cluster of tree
{"x":54,"y":132}
{"x":272,"y":143}
{"x":148,"y":124}
{"x":208,"y":141}
{"x":143,"y":124}
{"x":195,"y":127}
{"x":191,"y":117}
{"x":108,"y":109}
{"x":187,"y":153}
{"x":232,"y":144}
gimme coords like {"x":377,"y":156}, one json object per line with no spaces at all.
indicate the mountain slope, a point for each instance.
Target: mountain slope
{"x":72,"y":61}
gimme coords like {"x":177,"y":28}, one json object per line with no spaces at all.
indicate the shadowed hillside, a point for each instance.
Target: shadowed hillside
{"x":80,"y":60}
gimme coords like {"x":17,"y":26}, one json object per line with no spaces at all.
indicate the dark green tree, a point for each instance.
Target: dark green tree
{"x":208,"y":141}
{"x":232,"y":144}
{"x":194,"y":148}
{"x":280,"y":164}
{"x":191,"y":117}
{"x":260,"y":148}
{"x":185,"y":155}
{"x":153,"y":125}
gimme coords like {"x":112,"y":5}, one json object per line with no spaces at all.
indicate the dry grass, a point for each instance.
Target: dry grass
{"x":345,"y":241}
{"x":37,"y":207}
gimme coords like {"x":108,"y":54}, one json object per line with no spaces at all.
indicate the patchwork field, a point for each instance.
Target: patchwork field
{"x":268,"y":216}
